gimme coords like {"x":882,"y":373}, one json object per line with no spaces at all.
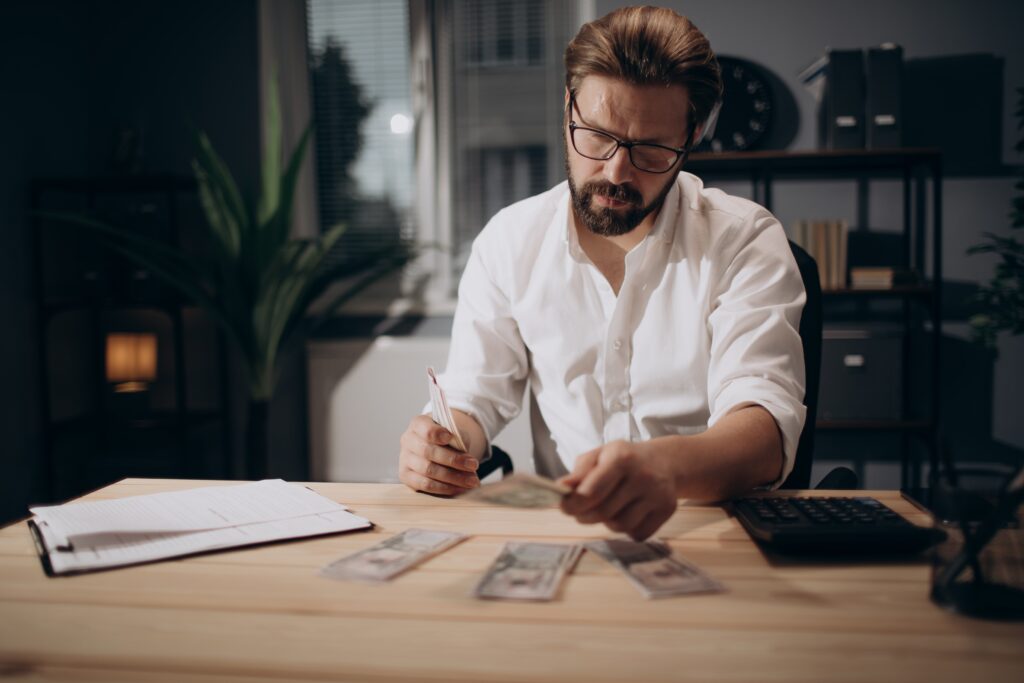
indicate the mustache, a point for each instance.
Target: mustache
{"x":622,"y":193}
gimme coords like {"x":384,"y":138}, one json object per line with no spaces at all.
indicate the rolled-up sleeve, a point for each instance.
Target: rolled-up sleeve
{"x":756,"y":352}
{"x":488,"y":365}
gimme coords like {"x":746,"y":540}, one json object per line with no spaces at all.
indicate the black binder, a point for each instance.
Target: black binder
{"x":884,"y":78}
{"x":843,"y":109}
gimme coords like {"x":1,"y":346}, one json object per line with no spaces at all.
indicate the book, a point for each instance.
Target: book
{"x":93,"y":535}
{"x":881,"y":277}
{"x":826,"y":242}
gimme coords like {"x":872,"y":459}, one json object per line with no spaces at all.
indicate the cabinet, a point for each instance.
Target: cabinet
{"x":914,"y":310}
{"x":175,"y":423}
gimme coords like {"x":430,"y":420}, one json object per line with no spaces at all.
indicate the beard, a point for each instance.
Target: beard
{"x":608,"y":222}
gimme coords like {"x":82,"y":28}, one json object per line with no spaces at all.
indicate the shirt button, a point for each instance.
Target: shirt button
{"x":617,"y":344}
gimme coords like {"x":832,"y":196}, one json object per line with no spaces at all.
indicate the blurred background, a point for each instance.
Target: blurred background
{"x":430,"y":116}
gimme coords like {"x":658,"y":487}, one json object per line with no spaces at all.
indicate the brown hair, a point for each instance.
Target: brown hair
{"x":647,"y":46}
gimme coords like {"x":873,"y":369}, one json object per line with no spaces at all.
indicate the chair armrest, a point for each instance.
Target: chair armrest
{"x":499,"y":458}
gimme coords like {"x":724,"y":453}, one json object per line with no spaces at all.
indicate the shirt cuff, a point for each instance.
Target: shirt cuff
{"x":788,"y":413}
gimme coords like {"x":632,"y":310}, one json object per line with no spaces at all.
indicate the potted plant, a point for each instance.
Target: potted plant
{"x":1002,"y":299}
{"x":257,"y":282}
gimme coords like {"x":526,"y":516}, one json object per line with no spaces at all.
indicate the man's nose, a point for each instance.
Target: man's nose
{"x":619,"y":169}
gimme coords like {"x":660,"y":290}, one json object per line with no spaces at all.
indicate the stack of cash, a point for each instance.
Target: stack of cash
{"x":653,"y":569}
{"x":441,"y":413}
{"x":521,"y":491}
{"x":391,"y":557}
{"x":528,"y":571}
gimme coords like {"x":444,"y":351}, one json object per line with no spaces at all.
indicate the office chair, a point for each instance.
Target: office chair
{"x":810,"y":338}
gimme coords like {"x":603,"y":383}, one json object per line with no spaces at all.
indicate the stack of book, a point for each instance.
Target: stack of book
{"x":825,"y":241}
{"x":881,"y":277}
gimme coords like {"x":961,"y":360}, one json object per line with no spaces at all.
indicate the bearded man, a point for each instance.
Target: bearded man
{"x":654,"y":320}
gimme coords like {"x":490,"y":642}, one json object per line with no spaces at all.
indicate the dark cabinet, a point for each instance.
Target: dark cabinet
{"x":91,"y":302}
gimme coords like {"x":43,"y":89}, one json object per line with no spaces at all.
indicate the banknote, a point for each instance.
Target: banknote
{"x":392,"y":556}
{"x":528,"y":571}
{"x":653,"y":568}
{"x":441,"y":413}
{"x":520,"y":490}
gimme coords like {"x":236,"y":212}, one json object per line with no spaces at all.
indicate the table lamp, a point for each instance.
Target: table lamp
{"x":131,"y":361}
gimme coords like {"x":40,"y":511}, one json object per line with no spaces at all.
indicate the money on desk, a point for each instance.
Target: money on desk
{"x":521,"y":491}
{"x":441,"y":413}
{"x":528,"y":571}
{"x":392,"y":556}
{"x":652,"y":568}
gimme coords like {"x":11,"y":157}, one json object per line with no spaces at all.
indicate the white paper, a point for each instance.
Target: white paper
{"x":145,"y":548}
{"x":281,"y":511}
{"x":210,"y":507}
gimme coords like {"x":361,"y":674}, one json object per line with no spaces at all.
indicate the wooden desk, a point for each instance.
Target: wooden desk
{"x":263,"y":613}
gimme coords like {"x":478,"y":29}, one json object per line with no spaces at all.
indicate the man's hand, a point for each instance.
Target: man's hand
{"x":425,"y":463}
{"x":625,"y":485}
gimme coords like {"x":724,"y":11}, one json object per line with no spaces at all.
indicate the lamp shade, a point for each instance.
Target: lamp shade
{"x":131,"y":358}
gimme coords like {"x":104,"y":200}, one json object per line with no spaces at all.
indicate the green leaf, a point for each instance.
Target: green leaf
{"x":271,"y":167}
{"x":288,"y":183}
{"x":222,"y":203}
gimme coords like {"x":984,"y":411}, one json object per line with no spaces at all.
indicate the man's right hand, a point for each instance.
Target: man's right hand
{"x":426,"y":463}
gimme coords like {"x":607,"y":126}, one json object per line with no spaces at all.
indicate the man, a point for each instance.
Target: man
{"x":655,"y":320}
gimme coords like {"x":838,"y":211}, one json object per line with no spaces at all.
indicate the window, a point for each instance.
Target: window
{"x":503,"y":32}
{"x":505,"y":84}
{"x":359,"y":64}
{"x":483,"y":80}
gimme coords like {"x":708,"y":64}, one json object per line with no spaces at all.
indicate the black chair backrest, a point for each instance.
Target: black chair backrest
{"x":810,"y":337}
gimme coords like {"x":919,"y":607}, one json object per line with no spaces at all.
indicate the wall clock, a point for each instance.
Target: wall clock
{"x":747,"y":108}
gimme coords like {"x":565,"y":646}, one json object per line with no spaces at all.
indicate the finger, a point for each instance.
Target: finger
{"x":613,"y":505}
{"x":415,"y":447}
{"x":449,"y":457}
{"x":425,"y":427}
{"x":442,"y":473}
{"x":584,"y":464}
{"x":420,"y":483}
{"x":628,"y":521}
{"x":598,"y":485}
{"x":651,"y":523}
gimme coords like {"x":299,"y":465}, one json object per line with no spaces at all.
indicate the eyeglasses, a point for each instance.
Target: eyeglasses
{"x":601,"y":146}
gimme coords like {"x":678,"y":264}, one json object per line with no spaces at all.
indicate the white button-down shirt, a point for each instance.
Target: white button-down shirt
{"x":706,"y":321}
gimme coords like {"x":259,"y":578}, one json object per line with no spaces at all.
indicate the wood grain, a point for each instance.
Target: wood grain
{"x":263,"y":613}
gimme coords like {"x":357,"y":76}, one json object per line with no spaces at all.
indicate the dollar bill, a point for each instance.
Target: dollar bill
{"x":528,"y":571}
{"x":520,"y":490}
{"x":441,"y":413}
{"x":652,"y":568}
{"x":392,"y":556}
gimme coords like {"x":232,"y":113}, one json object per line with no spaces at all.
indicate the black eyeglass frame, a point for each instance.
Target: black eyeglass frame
{"x":681,"y":152}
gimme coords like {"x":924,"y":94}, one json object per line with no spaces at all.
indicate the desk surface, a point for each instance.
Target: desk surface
{"x":263,"y":614}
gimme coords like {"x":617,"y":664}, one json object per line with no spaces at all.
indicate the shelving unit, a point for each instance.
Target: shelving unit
{"x":84,"y":291}
{"x":919,"y":170}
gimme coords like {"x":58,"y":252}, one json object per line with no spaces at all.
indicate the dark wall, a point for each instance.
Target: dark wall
{"x":72,"y":75}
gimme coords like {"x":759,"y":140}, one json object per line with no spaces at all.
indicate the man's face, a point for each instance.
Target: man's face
{"x":613,"y":197}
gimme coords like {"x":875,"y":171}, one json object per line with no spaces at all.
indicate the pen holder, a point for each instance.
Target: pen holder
{"x":978,"y":570}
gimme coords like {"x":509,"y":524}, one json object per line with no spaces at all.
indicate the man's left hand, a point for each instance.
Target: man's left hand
{"x":625,"y":485}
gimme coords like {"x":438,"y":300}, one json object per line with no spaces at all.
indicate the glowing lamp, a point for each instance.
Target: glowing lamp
{"x":131,"y":361}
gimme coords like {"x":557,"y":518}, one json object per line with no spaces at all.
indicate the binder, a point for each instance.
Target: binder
{"x":836,"y":81}
{"x":884,"y":80}
{"x":844,"y":100}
